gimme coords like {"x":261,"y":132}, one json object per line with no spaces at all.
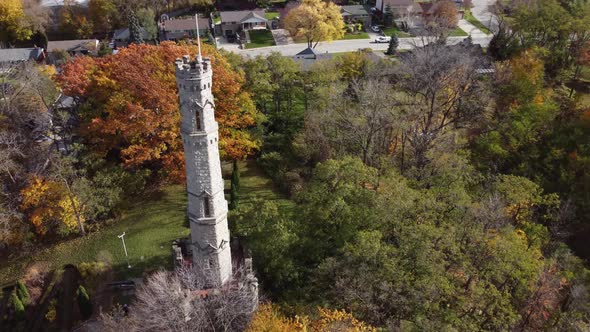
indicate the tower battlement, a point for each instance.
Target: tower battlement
{"x":188,"y":69}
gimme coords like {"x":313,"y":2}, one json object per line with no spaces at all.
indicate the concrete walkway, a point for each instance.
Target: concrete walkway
{"x":471,"y":29}
{"x":341,"y":46}
{"x":483,"y":10}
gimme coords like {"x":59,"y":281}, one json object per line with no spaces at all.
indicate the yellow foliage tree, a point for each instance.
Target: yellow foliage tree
{"x":315,"y":21}
{"x":47,"y":203}
{"x":269,"y":319}
{"x":13,"y":24}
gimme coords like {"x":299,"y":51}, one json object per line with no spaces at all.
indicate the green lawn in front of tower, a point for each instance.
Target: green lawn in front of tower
{"x":150,"y":225}
{"x":254,"y":184}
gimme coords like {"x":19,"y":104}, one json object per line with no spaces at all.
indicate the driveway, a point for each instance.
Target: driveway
{"x":482,"y":10}
{"x":282,"y":37}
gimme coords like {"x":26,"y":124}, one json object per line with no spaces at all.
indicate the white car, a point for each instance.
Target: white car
{"x":382,"y":39}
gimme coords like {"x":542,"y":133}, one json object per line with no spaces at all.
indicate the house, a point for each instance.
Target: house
{"x":121,"y":37}
{"x":176,"y":29}
{"x":236,"y":21}
{"x":356,"y":13}
{"x":399,"y":8}
{"x":74,"y":47}
{"x":14,"y":55}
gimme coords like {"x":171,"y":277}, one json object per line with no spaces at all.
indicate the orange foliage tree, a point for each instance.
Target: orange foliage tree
{"x":131,"y":109}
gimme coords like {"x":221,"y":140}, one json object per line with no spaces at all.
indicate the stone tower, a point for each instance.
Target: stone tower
{"x":207,"y":207}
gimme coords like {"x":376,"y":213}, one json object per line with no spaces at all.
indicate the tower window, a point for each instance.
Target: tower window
{"x":206,"y":207}
{"x":207,"y":263}
{"x":198,"y":124}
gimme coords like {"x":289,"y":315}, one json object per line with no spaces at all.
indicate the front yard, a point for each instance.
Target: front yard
{"x":260,"y":38}
{"x":391,"y":30}
{"x":358,"y":35}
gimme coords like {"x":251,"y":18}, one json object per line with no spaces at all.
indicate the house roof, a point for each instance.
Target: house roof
{"x":397,"y":3}
{"x":252,"y":17}
{"x":185,"y":24}
{"x":20,"y":54}
{"x":354,"y":10}
{"x":238,"y":16}
{"x":73,"y":45}
{"x":307,"y":51}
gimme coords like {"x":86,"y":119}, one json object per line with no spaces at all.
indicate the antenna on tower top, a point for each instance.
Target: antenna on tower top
{"x":199,"y":57}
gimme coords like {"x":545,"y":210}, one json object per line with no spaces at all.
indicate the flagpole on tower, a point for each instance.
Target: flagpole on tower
{"x":199,"y":57}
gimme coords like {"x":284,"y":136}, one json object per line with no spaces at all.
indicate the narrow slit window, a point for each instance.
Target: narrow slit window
{"x":198,"y":124}
{"x":206,"y":207}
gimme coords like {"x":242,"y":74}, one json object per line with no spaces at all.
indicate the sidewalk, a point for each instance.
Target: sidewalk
{"x":341,"y":46}
{"x":471,"y":29}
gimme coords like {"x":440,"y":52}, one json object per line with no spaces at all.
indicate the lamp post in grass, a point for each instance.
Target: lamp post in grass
{"x":122,"y":237}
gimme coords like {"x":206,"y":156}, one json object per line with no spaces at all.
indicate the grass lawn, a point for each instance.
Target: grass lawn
{"x":458,"y":32}
{"x":260,"y":38}
{"x":471,"y":19}
{"x":255,"y":184}
{"x":360,"y":35}
{"x":391,"y":30}
{"x":271,"y":15}
{"x":150,"y":226}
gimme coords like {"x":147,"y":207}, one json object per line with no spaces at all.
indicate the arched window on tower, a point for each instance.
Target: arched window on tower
{"x":206,"y":206}
{"x":198,"y":121}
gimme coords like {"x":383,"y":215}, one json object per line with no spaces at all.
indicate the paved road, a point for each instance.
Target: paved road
{"x":340,"y":46}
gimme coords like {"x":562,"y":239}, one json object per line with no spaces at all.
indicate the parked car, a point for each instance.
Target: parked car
{"x":375,"y":28}
{"x":382,"y":39}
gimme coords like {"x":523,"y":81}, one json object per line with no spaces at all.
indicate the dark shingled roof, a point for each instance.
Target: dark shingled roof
{"x":354,"y":10}
{"x":20,"y":54}
{"x":238,"y":16}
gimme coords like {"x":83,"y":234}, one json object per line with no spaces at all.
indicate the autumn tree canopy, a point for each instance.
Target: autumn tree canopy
{"x":131,"y":112}
{"x":315,"y":21}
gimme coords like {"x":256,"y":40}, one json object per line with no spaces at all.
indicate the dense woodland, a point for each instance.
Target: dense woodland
{"x":427,"y":194}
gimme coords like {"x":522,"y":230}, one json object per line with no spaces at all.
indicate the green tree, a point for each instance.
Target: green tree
{"x":147,"y":21}
{"x":393,"y":44}
{"x":135,"y":29}
{"x":84,"y":302}
{"x":235,"y":186}
{"x":101,"y":13}
{"x":270,"y":234}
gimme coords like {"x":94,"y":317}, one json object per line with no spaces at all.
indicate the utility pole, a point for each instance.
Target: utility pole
{"x":122,"y":237}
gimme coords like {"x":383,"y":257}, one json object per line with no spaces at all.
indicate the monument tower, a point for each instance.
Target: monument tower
{"x":207,"y":207}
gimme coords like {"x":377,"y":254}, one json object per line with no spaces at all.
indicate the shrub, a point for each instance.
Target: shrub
{"x":22,"y":292}
{"x":19,"y":308}
{"x":84,"y":303}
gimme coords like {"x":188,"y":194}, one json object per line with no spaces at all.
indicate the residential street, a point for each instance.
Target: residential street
{"x":341,"y":46}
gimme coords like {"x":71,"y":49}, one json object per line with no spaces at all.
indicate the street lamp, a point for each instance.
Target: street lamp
{"x":122,"y":237}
